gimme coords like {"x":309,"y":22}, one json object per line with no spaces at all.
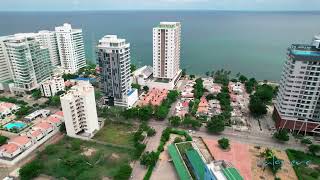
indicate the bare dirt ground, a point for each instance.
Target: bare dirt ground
{"x":263,"y":173}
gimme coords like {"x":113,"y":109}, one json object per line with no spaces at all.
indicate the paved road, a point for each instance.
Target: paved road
{"x":152,"y":143}
{"x":255,"y":138}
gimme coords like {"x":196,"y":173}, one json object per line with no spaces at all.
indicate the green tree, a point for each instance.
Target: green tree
{"x":62,"y":128}
{"x":211,"y":97}
{"x":177,"y":140}
{"x":198,"y":88}
{"x":31,"y":170}
{"x":161,"y":112}
{"x":136,"y":86}
{"x":222,"y":76}
{"x":146,"y":88}
{"x":243,"y":79}
{"x":133,"y":68}
{"x":149,"y":158}
{"x":123,"y":173}
{"x":145,"y":113}
{"x":281,"y":135}
{"x":250,"y":85}
{"x":216,"y":124}
{"x":151,"y":132}
{"x":3,"y":140}
{"x":36,"y":94}
{"x":184,"y":72}
{"x":172,"y":96}
{"x":257,"y":107}
{"x":314,"y":149}
{"x":265,"y":93}
{"x":224,"y":143}
{"x":192,"y":76}
{"x":69,"y":76}
{"x":175,"y":121}
{"x":306,"y":141}
{"x":97,"y":94}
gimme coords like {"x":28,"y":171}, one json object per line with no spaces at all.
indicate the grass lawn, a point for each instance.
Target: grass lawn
{"x":76,"y":159}
{"x":116,"y":133}
{"x":304,"y":171}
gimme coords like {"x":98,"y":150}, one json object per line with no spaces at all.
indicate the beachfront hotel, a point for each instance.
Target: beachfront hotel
{"x":25,"y":61}
{"x":71,"y":48}
{"x":298,"y":106}
{"x":114,"y":61}
{"x":79,"y":109}
{"x":166,"y":53}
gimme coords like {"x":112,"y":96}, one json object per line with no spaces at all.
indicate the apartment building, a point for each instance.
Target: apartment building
{"x":28,"y":62}
{"x":79,"y":109}
{"x":113,"y":56}
{"x":166,"y":51}
{"x":5,"y":74}
{"x":298,"y":104}
{"x":52,"y":86}
{"x":71,"y":48}
{"x":48,"y":39}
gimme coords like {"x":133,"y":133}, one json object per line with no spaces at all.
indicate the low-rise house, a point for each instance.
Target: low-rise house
{"x":22,"y":141}
{"x":182,"y":108}
{"x":55,"y":121}
{"x":7,"y":109}
{"x":36,"y":135}
{"x":10,"y":150}
{"x":59,"y":115}
{"x":39,"y":113}
{"x":44,"y":126}
{"x":203,"y":107}
{"x":142,"y":75}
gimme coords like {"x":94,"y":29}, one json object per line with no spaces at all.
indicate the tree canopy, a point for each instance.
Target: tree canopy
{"x":216,"y":124}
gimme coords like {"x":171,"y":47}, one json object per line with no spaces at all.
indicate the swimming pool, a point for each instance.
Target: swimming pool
{"x":18,"y":125}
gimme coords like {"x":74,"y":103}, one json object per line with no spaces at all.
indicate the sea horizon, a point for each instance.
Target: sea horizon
{"x":253,"y":43}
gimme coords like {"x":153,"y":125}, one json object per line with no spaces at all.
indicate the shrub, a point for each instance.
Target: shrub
{"x":123,"y":173}
{"x":306,"y":141}
{"x":31,"y":170}
{"x":151,"y":132}
{"x":314,"y":149}
{"x":281,"y":135}
{"x":177,"y":140}
{"x":3,"y":140}
{"x":224,"y":143}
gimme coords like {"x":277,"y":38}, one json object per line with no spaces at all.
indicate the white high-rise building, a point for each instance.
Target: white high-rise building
{"x":71,"y":48}
{"x":5,"y":74}
{"x":27,"y":61}
{"x":166,"y":51}
{"x":298,"y":100}
{"x":79,"y":109}
{"x":48,"y":39}
{"x":52,"y":86}
{"x":114,"y":60}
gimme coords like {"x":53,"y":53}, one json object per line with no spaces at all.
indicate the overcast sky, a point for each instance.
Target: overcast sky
{"x":73,"y":5}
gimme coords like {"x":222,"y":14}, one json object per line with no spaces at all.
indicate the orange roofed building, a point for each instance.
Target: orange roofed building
{"x":203,"y":108}
{"x":154,"y":97}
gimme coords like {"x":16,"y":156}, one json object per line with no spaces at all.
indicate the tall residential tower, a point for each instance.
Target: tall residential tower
{"x":28,"y":62}
{"x":166,"y":51}
{"x":79,"y":109}
{"x":71,"y":48}
{"x":114,"y":60}
{"x":298,"y":100}
{"x":48,"y":39}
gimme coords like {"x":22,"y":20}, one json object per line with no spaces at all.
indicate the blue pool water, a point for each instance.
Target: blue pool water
{"x":18,"y":125}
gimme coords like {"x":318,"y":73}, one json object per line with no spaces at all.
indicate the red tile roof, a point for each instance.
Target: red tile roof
{"x":59,"y":113}
{"x":53,"y":119}
{"x":43,"y":125}
{"x":36,"y":133}
{"x":21,"y":140}
{"x":9,"y":148}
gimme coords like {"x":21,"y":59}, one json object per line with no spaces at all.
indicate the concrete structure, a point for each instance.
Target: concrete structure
{"x":52,"y":86}
{"x":27,"y":61}
{"x":114,"y":61}
{"x":298,"y":106}
{"x":7,"y":109}
{"x":71,"y":48}
{"x":38,"y":113}
{"x":166,"y":53}
{"x":48,"y":39}
{"x":79,"y":109}
{"x":5,"y":73}
{"x":142,"y":75}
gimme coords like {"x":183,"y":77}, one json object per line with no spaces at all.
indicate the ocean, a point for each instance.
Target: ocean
{"x":252,"y":43}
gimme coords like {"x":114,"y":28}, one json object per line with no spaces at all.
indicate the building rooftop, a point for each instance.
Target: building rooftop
{"x":54,"y":120}
{"x":43,"y":125}
{"x":196,"y":162}
{"x":178,"y":162}
{"x":304,"y":52}
{"x":59,"y":113}
{"x":20,"y":140}
{"x":9,"y":148}
{"x":36,"y":133}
